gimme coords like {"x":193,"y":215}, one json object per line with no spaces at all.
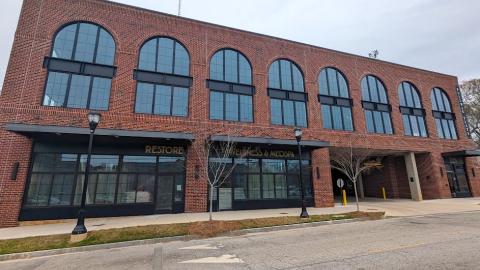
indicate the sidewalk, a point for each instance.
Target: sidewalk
{"x":390,"y":207}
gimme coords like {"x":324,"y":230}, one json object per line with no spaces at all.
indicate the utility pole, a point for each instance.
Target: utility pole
{"x":179,"y":7}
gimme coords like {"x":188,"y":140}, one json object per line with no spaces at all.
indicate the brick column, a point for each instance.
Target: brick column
{"x":14,"y":148}
{"x":472,"y":166}
{"x":196,"y":186}
{"x":322,"y":178}
{"x":413,"y":179}
{"x":433,"y":176}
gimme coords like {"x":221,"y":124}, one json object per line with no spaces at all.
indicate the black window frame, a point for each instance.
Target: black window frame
{"x":226,"y":87}
{"x":381,"y":107}
{"x":411,"y":110}
{"x":443,"y":115}
{"x":172,"y":89}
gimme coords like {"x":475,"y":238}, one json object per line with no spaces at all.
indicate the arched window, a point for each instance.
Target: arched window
{"x":80,"y":68}
{"x":442,"y":112}
{"x":286,"y":91}
{"x":376,"y":107}
{"x":335,"y":100}
{"x":162,"y":78}
{"x":413,"y":114}
{"x":230,"y":84}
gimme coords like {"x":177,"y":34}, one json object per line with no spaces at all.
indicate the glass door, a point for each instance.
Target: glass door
{"x":457,"y":178}
{"x":164,"y":201}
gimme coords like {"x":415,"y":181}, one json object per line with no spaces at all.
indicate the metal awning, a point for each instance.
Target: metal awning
{"x":463,"y":153}
{"x":31,"y":130}
{"x":268,"y":141}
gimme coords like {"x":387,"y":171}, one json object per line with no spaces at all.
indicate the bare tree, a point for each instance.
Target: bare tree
{"x":215,"y":160}
{"x":353,"y":162}
{"x":471,"y":96}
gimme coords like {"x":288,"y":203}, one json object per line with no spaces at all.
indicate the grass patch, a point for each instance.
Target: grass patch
{"x":198,"y":229}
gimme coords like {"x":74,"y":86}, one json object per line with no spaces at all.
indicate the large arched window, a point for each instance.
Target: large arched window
{"x":413,"y":114}
{"x":162,"y":78}
{"x":80,"y":67}
{"x":335,"y":100}
{"x":376,"y":106}
{"x":230,"y":84}
{"x":286,"y":91}
{"x":442,"y":112}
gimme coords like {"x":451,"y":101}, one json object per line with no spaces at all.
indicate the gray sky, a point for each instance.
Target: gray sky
{"x":439,"y":35}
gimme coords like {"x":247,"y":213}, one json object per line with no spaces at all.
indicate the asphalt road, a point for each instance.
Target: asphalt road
{"x":447,"y":241}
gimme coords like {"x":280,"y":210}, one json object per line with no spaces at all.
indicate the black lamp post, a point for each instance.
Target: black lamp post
{"x":93,"y":120}
{"x":298,"y":136}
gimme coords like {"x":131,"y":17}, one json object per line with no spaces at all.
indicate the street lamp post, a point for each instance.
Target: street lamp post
{"x":298,"y":136}
{"x":93,"y":120}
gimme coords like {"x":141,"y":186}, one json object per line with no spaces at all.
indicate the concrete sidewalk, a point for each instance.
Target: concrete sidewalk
{"x":390,"y":207}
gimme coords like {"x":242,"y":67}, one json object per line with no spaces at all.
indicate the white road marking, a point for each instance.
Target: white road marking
{"x":200,"y":247}
{"x":222,"y":259}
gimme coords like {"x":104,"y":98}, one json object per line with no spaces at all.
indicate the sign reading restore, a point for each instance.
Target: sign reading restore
{"x":164,"y":150}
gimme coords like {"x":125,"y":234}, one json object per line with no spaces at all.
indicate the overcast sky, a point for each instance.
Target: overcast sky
{"x":439,"y":35}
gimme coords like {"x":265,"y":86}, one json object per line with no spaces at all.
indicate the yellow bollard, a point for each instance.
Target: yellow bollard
{"x":384,"y":193}
{"x":344,"y":197}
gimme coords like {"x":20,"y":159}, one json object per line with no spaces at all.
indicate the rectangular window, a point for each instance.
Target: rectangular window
{"x":230,"y":107}
{"x":77,"y":91}
{"x":326,"y":116}
{"x":288,"y":112}
{"x":161,"y":99}
{"x":268,"y":186}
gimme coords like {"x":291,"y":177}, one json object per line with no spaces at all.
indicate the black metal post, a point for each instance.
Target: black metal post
{"x":80,"y":228}
{"x":304,"y":213}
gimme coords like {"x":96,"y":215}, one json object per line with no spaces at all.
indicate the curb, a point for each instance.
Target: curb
{"x":61,"y":251}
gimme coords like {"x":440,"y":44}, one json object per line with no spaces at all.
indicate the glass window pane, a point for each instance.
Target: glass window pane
{"x":171,"y":164}
{"x":100,"y":93}
{"x":416,"y":98}
{"x":231,"y":66}
{"x":78,"y":94}
{"x":276,"y":111}
{"x":254,"y":187}
{"x":56,"y":89}
{"x":365,"y":90}
{"x":387,"y":123}
{"x":382,"y":93}
{"x":406,"y":125}
{"x":216,"y":66}
{"x":165,"y":55}
{"x":280,"y":187}
{"x":268,"y":186}
{"x":273,"y":165}
{"x":39,"y":190}
{"x":180,"y":101}
{"x":372,"y":86}
{"x":452,"y":129}
{"x":347,"y":118}
{"x":144,"y":98}
{"x":439,"y":97}
{"x":54,"y":163}
{"x":273,"y":75}
{"x":401,"y":95}
{"x":145,"y":164}
{"x":240,"y":186}
{"x":326,"y":116}
{"x":127,"y":188}
{"x":343,"y":86}
{"x":433,"y":100}
{"x":216,"y":105}
{"x":337,"y":118}
{"x":423,"y":129}
{"x":323,"y":82}
{"x":148,"y":55}
{"x":163,"y":98}
{"x":288,"y":113}
{"x":286,"y":73}
{"x":408,"y":96}
{"x":300,"y":114}
{"x":246,"y":108}
{"x":297,"y":79}
{"x":63,"y":45}
{"x":231,"y":107}
{"x":293,"y":186}
{"x":438,"y":124}
{"x":87,"y":39}
{"x":105,"y":193}
{"x":377,"y":116}
{"x":446,"y":129}
{"x":182,"y":60}
{"x":106,"y":49}
{"x":332,"y":82}
{"x":414,"y":125}
{"x":100,"y":163}
{"x":245,"y":70}
{"x":145,"y":188}
{"x":446,"y":102}
{"x":369,"y":121}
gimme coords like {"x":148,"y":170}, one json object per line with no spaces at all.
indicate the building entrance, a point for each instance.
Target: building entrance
{"x":457,"y":178}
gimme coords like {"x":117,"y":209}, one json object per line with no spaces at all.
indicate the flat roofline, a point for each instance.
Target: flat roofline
{"x":31,"y":129}
{"x":272,"y":37}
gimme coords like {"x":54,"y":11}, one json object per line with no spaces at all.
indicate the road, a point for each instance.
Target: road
{"x":446,"y":241}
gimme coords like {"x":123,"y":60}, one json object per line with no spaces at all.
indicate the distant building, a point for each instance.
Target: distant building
{"x":161,"y":80}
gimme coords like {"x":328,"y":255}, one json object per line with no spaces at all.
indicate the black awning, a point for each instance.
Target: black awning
{"x":268,"y":141}
{"x":463,"y":153}
{"x":32,"y":130}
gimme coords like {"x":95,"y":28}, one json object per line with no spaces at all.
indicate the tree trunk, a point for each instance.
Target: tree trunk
{"x":211,"y":203}
{"x":356,"y":195}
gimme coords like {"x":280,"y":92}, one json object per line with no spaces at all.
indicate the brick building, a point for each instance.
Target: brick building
{"x":164,"y":83}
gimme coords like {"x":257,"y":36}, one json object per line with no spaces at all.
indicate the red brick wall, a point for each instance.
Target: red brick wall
{"x":322,"y":179}
{"x":40,"y":19}
{"x":472,"y":166}
{"x":393,"y":177}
